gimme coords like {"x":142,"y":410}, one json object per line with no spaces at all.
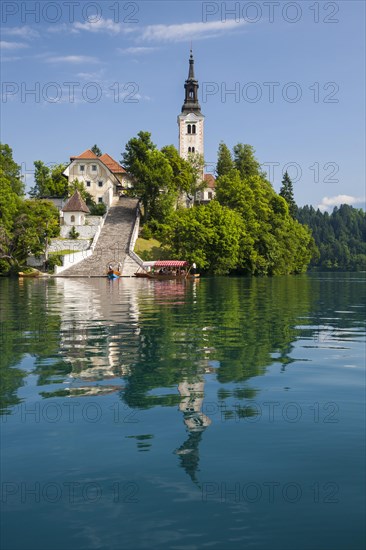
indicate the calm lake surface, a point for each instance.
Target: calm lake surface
{"x":226,"y":413}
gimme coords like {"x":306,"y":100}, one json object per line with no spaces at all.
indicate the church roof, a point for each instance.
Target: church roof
{"x":88,"y":154}
{"x":210,"y":181}
{"x":112,"y":164}
{"x":76,"y":204}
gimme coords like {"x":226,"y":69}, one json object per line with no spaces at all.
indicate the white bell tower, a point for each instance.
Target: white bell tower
{"x":191,"y":120}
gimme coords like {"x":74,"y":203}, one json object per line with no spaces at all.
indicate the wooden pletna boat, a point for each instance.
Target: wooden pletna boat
{"x":112,"y":274}
{"x":164,"y":270}
{"x":32,"y":273}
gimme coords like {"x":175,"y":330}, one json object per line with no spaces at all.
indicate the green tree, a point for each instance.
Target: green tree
{"x":9,"y":202}
{"x":275,"y":243}
{"x":10,"y":169}
{"x":339,"y":236}
{"x":209,"y":235}
{"x":225,"y":162}
{"x":245,"y":161}
{"x":95,"y":149}
{"x":153,"y":176}
{"x":49,"y":182}
{"x":287,"y":192}
{"x":35,"y":223}
{"x":184,"y":177}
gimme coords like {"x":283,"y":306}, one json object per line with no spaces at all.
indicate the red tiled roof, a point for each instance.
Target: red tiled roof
{"x":112,"y":164}
{"x":76,"y":204}
{"x":210,"y":181}
{"x":88,"y":154}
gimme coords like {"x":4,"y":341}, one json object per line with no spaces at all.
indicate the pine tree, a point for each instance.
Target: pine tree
{"x":287,"y":192}
{"x":224,"y":160}
{"x":95,"y":149}
{"x":245,"y":161}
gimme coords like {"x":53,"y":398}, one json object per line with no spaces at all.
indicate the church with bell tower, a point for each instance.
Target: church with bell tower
{"x":191,"y":120}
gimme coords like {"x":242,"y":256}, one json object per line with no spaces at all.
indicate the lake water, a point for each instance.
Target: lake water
{"x":226,"y":413}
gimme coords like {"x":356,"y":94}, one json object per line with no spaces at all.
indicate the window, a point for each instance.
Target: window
{"x":94,"y":167}
{"x":82,"y":167}
{"x":189,"y":129}
{"x":88,"y":183}
{"x":193,"y":128}
{"x":209,"y":194}
{"x":100,"y":199}
{"x":193,"y":149}
{"x":100,"y":183}
{"x":189,"y":150}
{"x":72,"y":219}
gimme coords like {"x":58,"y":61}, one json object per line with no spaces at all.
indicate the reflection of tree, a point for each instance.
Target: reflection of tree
{"x":240,"y":325}
{"x":27,"y":327}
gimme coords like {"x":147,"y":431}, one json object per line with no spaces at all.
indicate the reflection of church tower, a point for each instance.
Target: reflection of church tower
{"x":191,"y":120}
{"x":196,"y":422}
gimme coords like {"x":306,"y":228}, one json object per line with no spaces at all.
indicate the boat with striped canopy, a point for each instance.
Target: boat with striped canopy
{"x":167,"y":269}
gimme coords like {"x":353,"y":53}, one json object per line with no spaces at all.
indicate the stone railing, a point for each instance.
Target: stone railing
{"x":133,"y":238}
{"x":97,"y":233}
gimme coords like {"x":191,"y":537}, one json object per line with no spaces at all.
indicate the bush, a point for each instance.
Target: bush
{"x":98,"y":209}
{"x":54,"y":259}
{"x":146,"y":232}
{"x":73,"y":234}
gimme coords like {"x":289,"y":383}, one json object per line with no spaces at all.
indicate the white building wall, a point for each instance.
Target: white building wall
{"x":91,"y":178}
{"x":74,"y":218}
{"x":186,"y":139}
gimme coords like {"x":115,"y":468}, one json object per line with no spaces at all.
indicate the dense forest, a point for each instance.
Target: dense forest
{"x":339,"y":236}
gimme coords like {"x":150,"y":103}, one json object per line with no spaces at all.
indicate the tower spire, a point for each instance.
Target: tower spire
{"x":191,"y":86}
{"x":191,"y":67}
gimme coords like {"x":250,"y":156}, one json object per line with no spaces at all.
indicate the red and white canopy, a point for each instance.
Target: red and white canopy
{"x":166,"y":263}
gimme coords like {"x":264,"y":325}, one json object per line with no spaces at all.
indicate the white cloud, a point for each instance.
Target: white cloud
{"x":157,"y":33}
{"x":328,"y":203}
{"x":91,"y":76}
{"x":189,"y":31}
{"x":25,"y":32}
{"x":62,"y":28}
{"x":4,"y":45}
{"x":102,"y":25}
{"x":140,"y":50}
{"x":72,"y":59}
{"x":5,"y":59}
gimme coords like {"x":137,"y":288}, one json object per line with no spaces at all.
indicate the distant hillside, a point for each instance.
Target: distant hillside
{"x":339,"y":236}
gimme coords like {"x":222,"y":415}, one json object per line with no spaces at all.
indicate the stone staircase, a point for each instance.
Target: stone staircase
{"x":112,"y":245}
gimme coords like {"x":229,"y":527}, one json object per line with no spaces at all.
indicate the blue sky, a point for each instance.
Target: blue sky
{"x":102,"y":71}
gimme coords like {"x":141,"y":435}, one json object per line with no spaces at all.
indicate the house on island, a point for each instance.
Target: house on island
{"x":73,"y":213}
{"x":103,"y":177}
{"x":208,"y":192}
